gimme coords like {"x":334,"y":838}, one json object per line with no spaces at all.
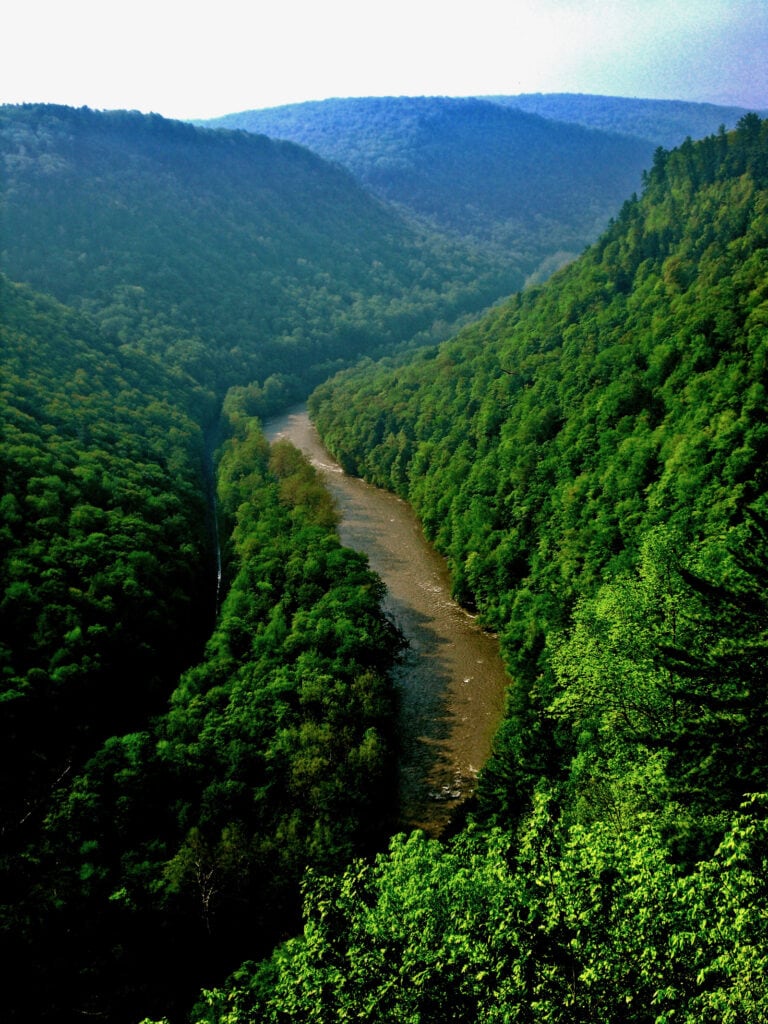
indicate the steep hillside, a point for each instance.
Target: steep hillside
{"x":541,"y":446}
{"x":106,"y":583}
{"x":593,"y":460}
{"x":156,"y":789}
{"x":232,"y":256}
{"x":527,"y":185}
{"x":191,"y":261}
{"x":105,"y":568}
{"x":665,"y":123}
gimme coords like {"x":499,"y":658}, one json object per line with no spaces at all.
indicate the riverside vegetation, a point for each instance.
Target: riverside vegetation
{"x":591,"y":459}
{"x":193,"y":280}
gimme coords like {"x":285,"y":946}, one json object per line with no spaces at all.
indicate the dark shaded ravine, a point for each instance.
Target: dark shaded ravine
{"x":452,"y":681}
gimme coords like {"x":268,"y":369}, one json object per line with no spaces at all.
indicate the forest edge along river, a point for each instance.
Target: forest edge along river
{"x":452,"y":681}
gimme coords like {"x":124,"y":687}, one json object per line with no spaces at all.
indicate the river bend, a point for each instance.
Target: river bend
{"x":452,"y":680}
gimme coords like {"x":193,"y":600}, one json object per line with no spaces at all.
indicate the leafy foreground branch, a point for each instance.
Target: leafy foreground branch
{"x":636,"y":888}
{"x":565,"y":925}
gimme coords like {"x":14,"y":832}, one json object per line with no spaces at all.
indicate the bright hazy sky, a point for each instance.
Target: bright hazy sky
{"x":191,"y":60}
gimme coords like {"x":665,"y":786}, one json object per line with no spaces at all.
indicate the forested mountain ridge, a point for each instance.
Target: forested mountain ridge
{"x":523,"y":184}
{"x":589,"y":369}
{"x":592,"y":459}
{"x":543,"y":445}
{"x":665,"y":123}
{"x":232,"y":256}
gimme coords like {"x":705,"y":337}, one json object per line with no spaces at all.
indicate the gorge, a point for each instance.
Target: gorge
{"x":451,"y":681}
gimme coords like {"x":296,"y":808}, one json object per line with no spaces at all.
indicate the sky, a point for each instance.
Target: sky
{"x":188,"y":60}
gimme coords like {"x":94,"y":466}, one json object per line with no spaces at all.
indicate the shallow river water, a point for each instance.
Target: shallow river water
{"x":452,"y":680}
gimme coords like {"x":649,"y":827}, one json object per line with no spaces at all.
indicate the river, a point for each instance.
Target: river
{"x":452,"y":680}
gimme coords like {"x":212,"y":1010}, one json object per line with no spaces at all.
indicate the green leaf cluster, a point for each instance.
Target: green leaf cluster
{"x":561,"y":925}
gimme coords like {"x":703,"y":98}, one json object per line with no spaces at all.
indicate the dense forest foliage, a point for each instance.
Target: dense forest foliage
{"x":190,"y":743}
{"x":592,"y":460}
{"x":238,"y":259}
{"x":540,"y":445}
{"x":554,"y":926}
{"x":666,"y":123}
{"x":104,"y":541}
{"x":156,"y":795}
{"x":526,"y":185}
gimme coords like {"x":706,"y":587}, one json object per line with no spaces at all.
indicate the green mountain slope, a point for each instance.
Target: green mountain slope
{"x":665,"y":123}
{"x":527,"y":185}
{"x":593,"y":460}
{"x":104,"y":535}
{"x":232,"y":256}
{"x":541,"y":446}
{"x":106,"y":588}
{"x":191,"y":261}
{"x":591,"y":457}
{"x":156,"y":794}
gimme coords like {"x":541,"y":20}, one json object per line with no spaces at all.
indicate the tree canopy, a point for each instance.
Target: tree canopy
{"x":198,"y":718}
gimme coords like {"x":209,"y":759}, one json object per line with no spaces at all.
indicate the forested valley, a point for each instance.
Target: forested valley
{"x":533,"y":177}
{"x":235,"y":258}
{"x":199,"y":727}
{"x":176,"y":747}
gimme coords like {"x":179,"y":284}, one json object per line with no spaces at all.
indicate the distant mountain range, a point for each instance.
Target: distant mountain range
{"x":665,"y":123}
{"x":232,"y":256}
{"x":521,"y":183}
{"x":537,"y":176}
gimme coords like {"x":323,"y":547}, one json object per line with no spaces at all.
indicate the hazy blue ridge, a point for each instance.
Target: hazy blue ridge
{"x":666,"y":123}
{"x":513,"y":180}
{"x":237,"y":255}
